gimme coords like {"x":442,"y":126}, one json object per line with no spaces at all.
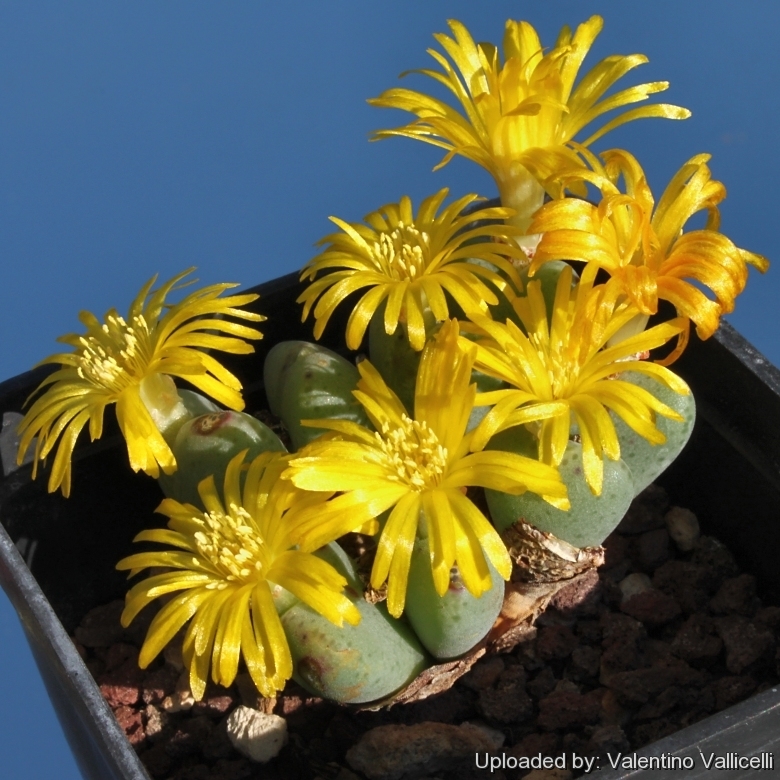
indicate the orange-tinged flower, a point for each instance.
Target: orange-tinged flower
{"x":645,"y":250}
{"x":520,"y":110}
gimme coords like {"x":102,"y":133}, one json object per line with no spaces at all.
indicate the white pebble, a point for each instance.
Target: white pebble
{"x":634,"y":584}
{"x":255,"y":734}
{"x":683,"y":527}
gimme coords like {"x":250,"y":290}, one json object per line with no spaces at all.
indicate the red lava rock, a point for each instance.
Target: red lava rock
{"x":689,"y":583}
{"x":158,"y":684}
{"x":118,"y":654}
{"x":746,"y":643}
{"x":581,"y":642}
{"x":589,"y":631}
{"x":535,"y":744}
{"x":737,"y":595}
{"x":633,"y":688}
{"x":636,"y":686}
{"x":617,"y":629}
{"x":616,"y":551}
{"x":392,"y":752}
{"x":119,"y":695}
{"x":215,"y":706}
{"x":581,"y":597}
{"x":569,"y":709}
{"x":484,"y":673}
{"x":543,"y":684}
{"x":218,"y":745}
{"x":715,"y":556}
{"x":585,"y":663}
{"x":100,"y":626}
{"x":451,"y":706}
{"x":696,"y":641}
{"x":307,"y":715}
{"x":555,"y":642}
{"x":651,"y":607}
{"x":157,"y":762}
{"x":216,"y":702}
{"x":622,"y":642}
{"x":730,"y":690}
{"x":666,"y":700}
{"x":653,"y":549}
{"x":122,"y":686}
{"x":652,"y":731}
{"x":508,"y":701}
{"x":613,"y":713}
{"x":188,"y":738}
{"x":132,"y":723}
{"x":608,"y":740}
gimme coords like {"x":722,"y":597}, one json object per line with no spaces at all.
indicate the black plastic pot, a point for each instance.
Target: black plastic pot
{"x":57,"y":555}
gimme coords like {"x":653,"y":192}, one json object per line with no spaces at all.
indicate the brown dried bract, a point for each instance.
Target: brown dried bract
{"x":543,"y":565}
{"x":539,"y":556}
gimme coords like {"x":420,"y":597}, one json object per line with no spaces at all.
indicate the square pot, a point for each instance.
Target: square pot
{"x":57,"y":556}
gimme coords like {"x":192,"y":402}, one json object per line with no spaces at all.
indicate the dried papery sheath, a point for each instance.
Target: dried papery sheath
{"x":129,"y":362}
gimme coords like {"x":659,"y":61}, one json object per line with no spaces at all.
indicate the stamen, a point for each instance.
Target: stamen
{"x":113,"y":356}
{"x":402,"y":253}
{"x":412,"y":454}
{"x":230,"y":543}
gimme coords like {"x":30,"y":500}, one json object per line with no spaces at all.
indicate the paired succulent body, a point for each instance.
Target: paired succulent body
{"x":509,"y":358}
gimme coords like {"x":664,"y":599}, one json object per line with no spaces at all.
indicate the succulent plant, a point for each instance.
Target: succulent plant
{"x":353,"y":664}
{"x":305,"y":381}
{"x":205,"y":445}
{"x":451,"y":624}
{"x":494,"y":366}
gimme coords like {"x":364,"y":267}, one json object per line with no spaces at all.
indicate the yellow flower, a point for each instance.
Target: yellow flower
{"x":563,"y":369}
{"x":419,"y":468}
{"x":519,"y":115}
{"x":410,"y":261}
{"x":227,"y":564}
{"x":129,"y":363}
{"x":646,"y":252}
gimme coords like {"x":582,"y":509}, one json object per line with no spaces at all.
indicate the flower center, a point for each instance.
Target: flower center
{"x":403,"y":253}
{"x":412,"y":454}
{"x":113,"y":355}
{"x":563,"y":372}
{"x":233,"y":545}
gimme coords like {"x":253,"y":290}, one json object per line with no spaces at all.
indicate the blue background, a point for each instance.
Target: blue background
{"x":146,"y":137}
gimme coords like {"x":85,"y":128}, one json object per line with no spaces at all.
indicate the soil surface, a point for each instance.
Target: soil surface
{"x":659,"y":638}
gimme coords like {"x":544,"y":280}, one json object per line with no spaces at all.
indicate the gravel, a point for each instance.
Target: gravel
{"x":610,"y":668}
